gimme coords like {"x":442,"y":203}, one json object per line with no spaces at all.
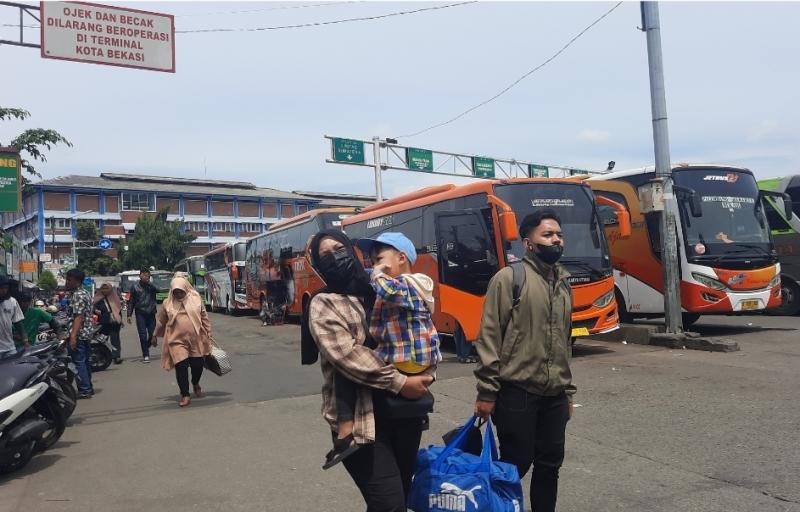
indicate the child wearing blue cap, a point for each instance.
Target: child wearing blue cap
{"x":401,"y":324}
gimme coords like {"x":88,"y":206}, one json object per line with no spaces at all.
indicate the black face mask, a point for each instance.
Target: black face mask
{"x":337,"y":267}
{"x":549,"y":254}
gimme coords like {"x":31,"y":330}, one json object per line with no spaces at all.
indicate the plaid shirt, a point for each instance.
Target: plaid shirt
{"x":401,"y":323}
{"x":337,"y":323}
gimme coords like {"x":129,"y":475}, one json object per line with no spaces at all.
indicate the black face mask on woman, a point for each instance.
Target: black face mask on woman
{"x":337,"y":267}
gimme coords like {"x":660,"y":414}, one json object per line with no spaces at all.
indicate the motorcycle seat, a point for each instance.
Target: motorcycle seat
{"x":41,"y":349}
{"x":15,"y":373}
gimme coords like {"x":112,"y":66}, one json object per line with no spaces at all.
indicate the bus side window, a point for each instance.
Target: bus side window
{"x":653,"y":220}
{"x":468,"y":258}
{"x":775,"y":220}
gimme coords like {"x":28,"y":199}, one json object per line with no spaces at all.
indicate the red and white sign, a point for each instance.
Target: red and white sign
{"x":103,"y":34}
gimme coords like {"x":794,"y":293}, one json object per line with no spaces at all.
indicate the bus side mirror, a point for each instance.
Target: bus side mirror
{"x":624,"y":218}
{"x":508,"y":226}
{"x":689,"y":195}
{"x":507,"y":218}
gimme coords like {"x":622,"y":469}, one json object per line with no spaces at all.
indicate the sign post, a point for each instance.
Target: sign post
{"x":104,"y":34}
{"x":10,"y":190}
{"x":419,"y":159}
{"x":483,"y":167}
{"x":348,"y":150}
{"x":538,"y":171}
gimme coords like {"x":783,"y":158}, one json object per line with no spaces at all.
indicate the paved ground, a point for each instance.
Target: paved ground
{"x":656,"y":430}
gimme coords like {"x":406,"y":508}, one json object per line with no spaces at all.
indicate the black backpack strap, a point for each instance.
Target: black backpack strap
{"x":519,"y":281}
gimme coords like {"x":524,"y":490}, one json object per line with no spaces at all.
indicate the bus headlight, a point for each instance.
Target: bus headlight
{"x":709,"y":281}
{"x":604,"y":300}
{"x":775,"y":281}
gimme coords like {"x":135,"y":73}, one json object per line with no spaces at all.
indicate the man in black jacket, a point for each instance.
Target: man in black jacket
{"x":143,"y":301}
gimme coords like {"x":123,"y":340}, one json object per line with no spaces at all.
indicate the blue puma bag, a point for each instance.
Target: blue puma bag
{"x":448,"y":479}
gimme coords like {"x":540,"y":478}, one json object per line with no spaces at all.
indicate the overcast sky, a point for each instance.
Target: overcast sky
{"x":254,"y":106}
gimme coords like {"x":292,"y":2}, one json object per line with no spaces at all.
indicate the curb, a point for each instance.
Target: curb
{"x":654,"y":335}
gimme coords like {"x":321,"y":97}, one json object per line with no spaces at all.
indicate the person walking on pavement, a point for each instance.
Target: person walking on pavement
{"x":184,"y":324}
{"x":109,"y":310}
{"x":79,"y":310}
{"x":143,"y":303}
{"x":524,"y":350}
{"x":11,"y":319}
{"x":334,"y":328}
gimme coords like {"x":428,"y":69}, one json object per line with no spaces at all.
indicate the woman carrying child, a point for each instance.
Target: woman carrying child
{"x":336,"y":324}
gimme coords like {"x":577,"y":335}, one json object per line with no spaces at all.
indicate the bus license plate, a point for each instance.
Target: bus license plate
{"x":748,"y":305}
{"x":580,"y":331}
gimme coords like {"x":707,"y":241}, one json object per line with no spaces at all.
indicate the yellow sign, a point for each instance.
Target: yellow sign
{"x":749,"y":305}
{"x":580,"y":331}
{"x":27,"y":267}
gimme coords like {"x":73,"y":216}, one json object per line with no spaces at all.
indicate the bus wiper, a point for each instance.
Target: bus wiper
{"x":583,"y":265}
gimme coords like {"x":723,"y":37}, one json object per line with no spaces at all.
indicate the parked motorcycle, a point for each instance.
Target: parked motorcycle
{"x":32,"y":416}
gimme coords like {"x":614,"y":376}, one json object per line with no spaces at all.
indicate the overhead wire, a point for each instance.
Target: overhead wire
{"x":331,"y":22}
{"x":268,"y":9}
{"x":515,"y":82}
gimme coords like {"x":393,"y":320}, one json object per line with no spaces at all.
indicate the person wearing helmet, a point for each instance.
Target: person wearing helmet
{"x":40,"y":304}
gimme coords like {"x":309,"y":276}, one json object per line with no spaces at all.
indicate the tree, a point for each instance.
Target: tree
{"x":32,"y":142}
{"x":156,"y":243}
{"x":47,"y":281}
{"x":92,"y":260}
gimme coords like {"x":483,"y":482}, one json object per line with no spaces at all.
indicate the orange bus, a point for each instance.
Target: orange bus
{"x":726,"y":256}
{"x":465,"y":234}
{"x":278,"y":276}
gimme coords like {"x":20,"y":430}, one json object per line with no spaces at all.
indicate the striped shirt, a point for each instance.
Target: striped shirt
{"x":337,"y":325}
{"x":402,"y":325}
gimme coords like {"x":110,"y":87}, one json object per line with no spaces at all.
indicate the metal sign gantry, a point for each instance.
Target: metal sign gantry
{"x":388,"y":154}
{"x":23,"y":10}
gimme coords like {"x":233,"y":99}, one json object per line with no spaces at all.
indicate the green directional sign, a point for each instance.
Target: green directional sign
{"x":538,"y":171}
{"x":348,"y":150}
{"x":9,"y":181}
{"x":419,"y":159}
{"x":483,"y":167}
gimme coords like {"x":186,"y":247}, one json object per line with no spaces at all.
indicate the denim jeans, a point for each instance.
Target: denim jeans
{"x":80,"y":356}
{"x":464,"y":348}
{"x":531,"y":429}
{"x":146,"y":325}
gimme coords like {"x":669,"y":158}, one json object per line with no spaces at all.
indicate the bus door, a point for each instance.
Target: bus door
{"x":467,"y":261}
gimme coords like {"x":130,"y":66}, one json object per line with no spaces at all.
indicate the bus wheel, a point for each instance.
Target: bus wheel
{"x":622,"y":311}
{"x":689,"y":319}
{"x":790,"y":298}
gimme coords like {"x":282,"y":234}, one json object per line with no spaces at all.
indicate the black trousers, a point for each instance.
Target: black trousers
{"x":383,"y":470}
{"x":182,"y":373}
{"x":531,"y":430}
{"x":112,"y":331}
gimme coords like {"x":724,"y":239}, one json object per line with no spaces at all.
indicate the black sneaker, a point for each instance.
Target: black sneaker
{"x":342,"y":448}
{"x":85,"y":396}
{"x":118,"y":360}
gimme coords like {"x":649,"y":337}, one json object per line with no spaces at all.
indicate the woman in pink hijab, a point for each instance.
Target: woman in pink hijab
{"x":184,"y":324}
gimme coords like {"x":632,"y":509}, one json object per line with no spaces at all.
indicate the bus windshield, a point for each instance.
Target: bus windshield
{"x":585,"y":250}
{"x":239,"y":251}
{"x":732,"y":221}
{"x":332,"y":220}
{"x":161,"y":280}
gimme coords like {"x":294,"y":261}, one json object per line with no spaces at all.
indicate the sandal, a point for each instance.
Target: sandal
{"x":185,"y":401}
{"x":198,"y":392}
{"x":342,"y":448}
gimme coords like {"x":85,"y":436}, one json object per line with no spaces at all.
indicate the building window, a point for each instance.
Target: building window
{"x":196,"y":226}
{"x":251,"y":227}
{"x":60,"y":223}
{"x":139,"y":201}
{"x":302,"y":208}
{"x":223,"y":226}
{"x":287,"y":211}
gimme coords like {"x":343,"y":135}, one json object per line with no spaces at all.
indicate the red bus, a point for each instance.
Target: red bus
{"x":279,"y":277}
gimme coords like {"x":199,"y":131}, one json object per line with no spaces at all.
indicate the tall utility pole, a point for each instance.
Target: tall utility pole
{"x":669,"y":238}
